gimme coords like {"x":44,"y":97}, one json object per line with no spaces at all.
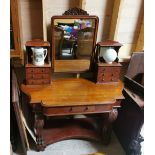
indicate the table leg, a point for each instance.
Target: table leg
{"x":106,"y":125}
{"x":39,"y":123}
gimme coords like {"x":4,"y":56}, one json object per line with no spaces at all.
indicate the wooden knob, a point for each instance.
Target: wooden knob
{"x":86,"y":108}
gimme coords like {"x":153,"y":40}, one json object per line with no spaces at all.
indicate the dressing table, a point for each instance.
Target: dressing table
{"x":71,"y":97}
{"x":72,"y":107}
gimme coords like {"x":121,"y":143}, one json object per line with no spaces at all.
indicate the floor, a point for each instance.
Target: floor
{"x":77,"y":147}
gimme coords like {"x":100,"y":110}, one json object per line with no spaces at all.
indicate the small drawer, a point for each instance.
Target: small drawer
{"x":41,"y":70}
{"x":29,"y":75}
{"x":82,"y":109}
{"x":37,"y":70}
{"x":108,"y":74}
{"x":32,"y":82}
{"x":29,"y":70}
{"x":37,"y":76}
{"x":115,"y":74}
{"x":104,"y":69}
{"x":37,"y":81}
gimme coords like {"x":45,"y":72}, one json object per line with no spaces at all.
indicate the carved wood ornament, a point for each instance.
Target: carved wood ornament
{"x":75,"y":11}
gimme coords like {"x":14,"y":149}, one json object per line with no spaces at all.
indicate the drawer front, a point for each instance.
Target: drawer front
{"x":37,"y":76}
{"x":115,"y":74}
{"x":73,"y":110}
{"x":37,"y":70}
{"x":108,"y":74}
{"x":37,"y":82}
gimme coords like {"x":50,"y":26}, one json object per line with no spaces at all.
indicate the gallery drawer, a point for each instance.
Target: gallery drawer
{"x":108,"y":74}
{"x":37,"y":76}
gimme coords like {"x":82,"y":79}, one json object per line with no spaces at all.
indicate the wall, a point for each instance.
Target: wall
{"x":129,"y":25}
{"x":31,"y":19}
{"x":119,"y":20}
{"x":103,"y":9}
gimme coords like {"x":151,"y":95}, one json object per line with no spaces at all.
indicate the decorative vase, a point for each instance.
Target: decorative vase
{"x":109,"y":54}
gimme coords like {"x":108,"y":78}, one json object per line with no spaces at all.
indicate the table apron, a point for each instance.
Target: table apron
{"x":73,"y":110}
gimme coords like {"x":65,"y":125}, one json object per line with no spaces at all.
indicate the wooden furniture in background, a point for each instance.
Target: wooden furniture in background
{"x":37,"y":74}
{"x":15,"y":30}
{"x":16,"y":114}
{"x":67,"y":98}
{"x":130,"y":119}
{"x":104,"y":72}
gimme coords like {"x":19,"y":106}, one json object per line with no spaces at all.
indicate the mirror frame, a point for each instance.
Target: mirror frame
{"x":74,"y":16}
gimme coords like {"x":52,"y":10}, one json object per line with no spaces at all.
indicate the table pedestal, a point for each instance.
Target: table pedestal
{"x":96,"y":127}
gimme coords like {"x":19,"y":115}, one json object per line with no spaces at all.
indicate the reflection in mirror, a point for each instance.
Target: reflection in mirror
{"x":73,"y":38}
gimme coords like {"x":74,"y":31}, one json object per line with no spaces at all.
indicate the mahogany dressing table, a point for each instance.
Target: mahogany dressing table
{"x":73,"y":107}
{"x":69,"y":97}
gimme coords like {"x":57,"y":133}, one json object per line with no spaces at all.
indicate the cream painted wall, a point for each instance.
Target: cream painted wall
{"x":102,"y":9}
{"x":31,"y":19}
{"x":36,"y":19}
{"x":129,"y":26}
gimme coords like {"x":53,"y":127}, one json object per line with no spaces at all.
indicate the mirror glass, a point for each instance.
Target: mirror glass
{"x":73,"y":42}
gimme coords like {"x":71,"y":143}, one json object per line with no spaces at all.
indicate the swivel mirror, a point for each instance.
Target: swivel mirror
{"x":73,"y":40}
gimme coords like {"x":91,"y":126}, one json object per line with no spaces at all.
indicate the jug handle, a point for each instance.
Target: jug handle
{"x":45,"y":53}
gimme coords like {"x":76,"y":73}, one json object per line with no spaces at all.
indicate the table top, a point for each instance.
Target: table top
{"x":73,"y":92}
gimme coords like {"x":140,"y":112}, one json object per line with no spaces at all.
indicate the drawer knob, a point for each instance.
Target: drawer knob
{"x":86,"y":108}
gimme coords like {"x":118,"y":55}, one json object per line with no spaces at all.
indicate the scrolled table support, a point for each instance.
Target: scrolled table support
{"x":38,"y":125}
{"x":106,"y":125}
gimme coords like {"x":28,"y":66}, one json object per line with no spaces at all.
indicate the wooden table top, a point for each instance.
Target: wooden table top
{"x":72,"y":92}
